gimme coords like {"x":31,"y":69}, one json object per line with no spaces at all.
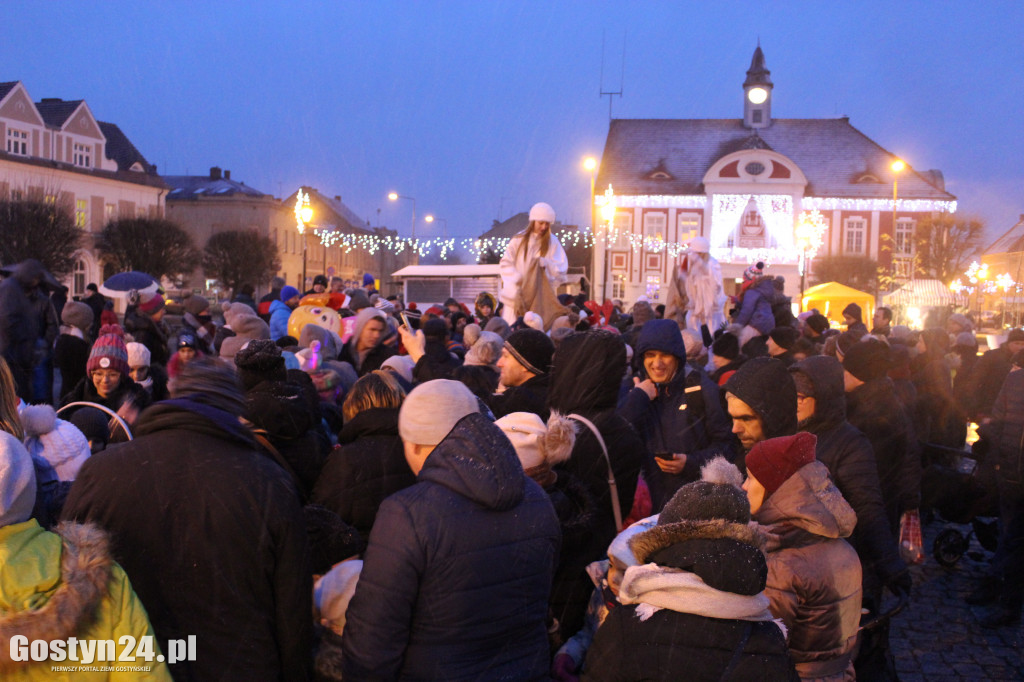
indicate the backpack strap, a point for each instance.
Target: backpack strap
{"x":612,"y":485}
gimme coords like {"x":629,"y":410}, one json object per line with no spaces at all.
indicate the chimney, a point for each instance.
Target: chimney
{"x":337,"y":197}
{"x":227,"y":175}
{"x":215,"y":173}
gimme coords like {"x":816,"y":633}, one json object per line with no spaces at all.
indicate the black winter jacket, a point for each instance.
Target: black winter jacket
{"x":70,"y":356}
{"x":1007,"y":428}
{"x":530,"y":396}
{"x":850,"y":459}
{"x":368,"y":467}
{"x":212,"y":536}
{"x":875,"y":411}
{"x":456,"y":576}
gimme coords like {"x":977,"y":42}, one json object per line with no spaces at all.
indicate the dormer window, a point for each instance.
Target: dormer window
{"x":17,"y":142}
{"x":868,"y":178}
{"x":83,"y":155}
{"x":659,"y":172}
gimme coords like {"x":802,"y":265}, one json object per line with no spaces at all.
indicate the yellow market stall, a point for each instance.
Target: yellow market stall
{"x":831,"y":297}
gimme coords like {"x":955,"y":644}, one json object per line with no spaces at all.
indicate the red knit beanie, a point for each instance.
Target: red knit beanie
{"x":774,"y":460}
{"x":109,"y":351}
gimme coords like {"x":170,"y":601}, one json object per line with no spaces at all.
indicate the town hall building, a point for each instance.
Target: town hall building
{"x":746,"y":184}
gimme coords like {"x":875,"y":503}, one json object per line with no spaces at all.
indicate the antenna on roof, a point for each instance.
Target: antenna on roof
{"x":622,"y":75}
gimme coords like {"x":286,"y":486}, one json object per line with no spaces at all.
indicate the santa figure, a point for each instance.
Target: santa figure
{"x":696,"y":299}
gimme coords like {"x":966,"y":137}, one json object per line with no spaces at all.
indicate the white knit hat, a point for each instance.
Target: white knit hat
{"x":58,"y":442}
{"x":432,"y":410}
{"x":486,"y":350}
{"x":138,"y":355}
{"x":17,"y":481}
{"x":537,"y":443}
{"x":334,"y":590}
{"x":700,"y":245}
{"x":532,"y":319}
{"x":542,"y":211}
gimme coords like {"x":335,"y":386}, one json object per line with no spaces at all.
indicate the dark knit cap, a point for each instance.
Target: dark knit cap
{"x":187,"y":340}
{"x":330,"y":539}
{"x":774,"y":460}
{"x":784,"y":336}
{"x":726,"y":346}
{"x":94,"y":424}
{"x":260,"y":361}
{"x":435,"y":328}
{"x":767,"y":387}
{"x":706,"y":501}
{"x":321,"y":280}
{"x":358,"y":300}
{"x":1015,"y":335}
{"x":196,"y":304}
{"x":817,"y":322}
{"x":211,"y":382}
{"x":867,"y":360}
{"x":848,"y":340}
{"x":853,"y":310}
{"x":368,"y":279}
{"x":532,"y":348}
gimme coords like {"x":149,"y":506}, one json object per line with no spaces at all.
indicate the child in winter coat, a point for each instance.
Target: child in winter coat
{"x":814,"y":575}
{"x":58,"y":450}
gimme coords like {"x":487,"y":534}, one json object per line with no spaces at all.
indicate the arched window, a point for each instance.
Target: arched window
{"x":79,"y":276}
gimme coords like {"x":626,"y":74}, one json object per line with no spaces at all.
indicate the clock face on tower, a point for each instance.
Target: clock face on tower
{"x":757,"y":95}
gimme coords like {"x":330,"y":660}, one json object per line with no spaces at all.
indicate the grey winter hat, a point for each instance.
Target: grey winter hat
{"x":432,"y":410}
{"x":78,"y":315}
{"x":720,"y":498}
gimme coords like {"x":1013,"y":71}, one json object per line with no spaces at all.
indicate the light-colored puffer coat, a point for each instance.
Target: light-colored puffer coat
{"x":814,"y":575}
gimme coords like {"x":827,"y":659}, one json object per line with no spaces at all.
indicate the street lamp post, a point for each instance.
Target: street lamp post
{"x":897,"y":168}
{"x":395,"y":196}
{"x":430,"y":218}
{"x":303,"y":215}
{"x":590,"y":165}
{"x":810,"y":231}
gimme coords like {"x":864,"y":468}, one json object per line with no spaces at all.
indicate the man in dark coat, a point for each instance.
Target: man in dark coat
{"x":873,"y":408}
{"x":676,"y":409}
{"x":366,"y":350}
{"x":429,"y":350}
{"x":97,"y":301}
{"x":1005,"y":586}
{"x":990,"y":372}
{"x":458,"y":568}
{"x":821,"y":410}
{"x":209,"y":530}
{"x":524,"y":366}
{"x":761,"y":397}
{"x":20,"y":323}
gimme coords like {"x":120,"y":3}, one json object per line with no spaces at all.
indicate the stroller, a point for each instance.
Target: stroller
{"x":953,"y":487}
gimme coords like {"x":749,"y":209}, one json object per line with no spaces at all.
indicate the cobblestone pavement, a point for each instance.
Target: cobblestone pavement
{"x":937,"y":637}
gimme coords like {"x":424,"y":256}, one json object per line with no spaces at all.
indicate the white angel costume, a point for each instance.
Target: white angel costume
{"x":529,"y":279}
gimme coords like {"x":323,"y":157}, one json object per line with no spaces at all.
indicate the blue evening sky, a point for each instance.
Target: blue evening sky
{"x":478,"y":109}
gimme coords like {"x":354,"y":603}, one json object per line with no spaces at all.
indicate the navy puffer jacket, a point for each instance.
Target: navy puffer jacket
{"x":685,"y":417}
{"x":756,"y":306}
{"x":457,"y":573}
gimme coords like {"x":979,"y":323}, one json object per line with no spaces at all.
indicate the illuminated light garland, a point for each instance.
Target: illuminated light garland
{"x":910,"y":205}
{"x":656,"y":201}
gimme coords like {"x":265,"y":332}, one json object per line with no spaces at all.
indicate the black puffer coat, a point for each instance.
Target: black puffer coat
{"x":368,"y":467}
{"x":675,"y":645}
{"x":875,"y":411}
{"x":290,"y":419}
{"x":851,"y":462}
{"x":212,"y":536}
{"x":153,"y":335}
{"x":1007,"y":428}
{"x":456,"y":576}
{"x":126,"y":389}
{"x":585,"y":380}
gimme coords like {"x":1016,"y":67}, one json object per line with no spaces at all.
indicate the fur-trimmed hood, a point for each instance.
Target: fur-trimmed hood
{"x":659,"y":537}
{"x":53,"y":583}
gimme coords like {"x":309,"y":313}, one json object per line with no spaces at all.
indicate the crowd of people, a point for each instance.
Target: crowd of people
{"x":538,"y":487}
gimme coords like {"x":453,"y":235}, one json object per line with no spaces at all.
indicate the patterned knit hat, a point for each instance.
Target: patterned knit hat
{"x":109,"y":351}
{"x":150,"y":304}
{"x":755,"y":270}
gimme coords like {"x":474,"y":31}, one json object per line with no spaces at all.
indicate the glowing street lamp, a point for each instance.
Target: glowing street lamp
{"x":303,"y":216}
{"x":590,"y":165}
{"x":395,"y":196}
{"x":430,"y":218}
{"x":897,"y":167}
{"x":810,"y":236}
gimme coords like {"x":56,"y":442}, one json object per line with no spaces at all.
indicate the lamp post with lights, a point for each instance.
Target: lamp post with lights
{"x":897,"y":167}
{"x":590,"y":165}
{"x":431,"y":218}
{"x":395,"y":196}
{"x":303,"y":216}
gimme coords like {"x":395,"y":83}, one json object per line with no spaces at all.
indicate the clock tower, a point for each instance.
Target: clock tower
{"x":757,"y":93}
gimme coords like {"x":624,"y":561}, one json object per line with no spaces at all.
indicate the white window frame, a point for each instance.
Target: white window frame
{"x":855,"y":229}
{"x":904,"y":228}
{"x":618,"y":285}
{"x":17,"y":142}
{"x":688,"y":226}
{"x":78,"y":278}
{"x":82,"y":213}
{"x":623,"y":225}
{"x":82,"y":155}
{"x":655,"y":225}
